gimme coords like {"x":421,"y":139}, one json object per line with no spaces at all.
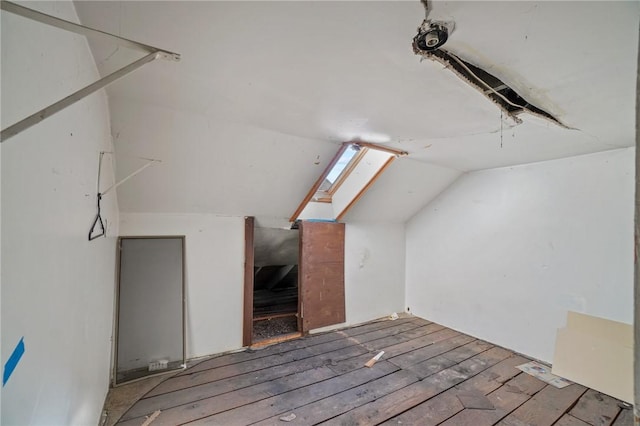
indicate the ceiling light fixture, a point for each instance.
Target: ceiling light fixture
{"x":432,"y":35}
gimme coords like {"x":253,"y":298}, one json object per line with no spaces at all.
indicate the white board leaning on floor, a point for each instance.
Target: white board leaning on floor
{"x":597,"y":353}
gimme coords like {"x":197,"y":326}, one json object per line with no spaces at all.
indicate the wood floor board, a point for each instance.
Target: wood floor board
{"x":427,"y":352}
{"x":418,"y":342}
{"x":546,"y":407}
{"x":596,"y":408}
{"x":395,"y":334}
{"x":337,"y":404}
{"x":467,"y":351}
{"x":446,"y":404}
{"x":210,"y":375}
{"x":420,"y":321}
{"x":212,"y":389}
{"x":397,"y":326}
{"x":432,"y":412}
{"x":423,"y":329}
{"x":430,"y":366}
{"x":569,"y":420}
{"x":396,"y":403}
{"x":494,"y":377}
{"x":379,"y":325}
{"x":232,"y":400}
{"x":420,"y":380}
{"x":625,"y":418}
{"x":261,"y":390}
{"x":505,"y":399}
{"x":285,"y":402}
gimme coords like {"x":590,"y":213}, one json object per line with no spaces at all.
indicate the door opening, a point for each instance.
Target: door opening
{"x":275,"y":283}
{"x":294,"y":280}
{"x":150,"y":336}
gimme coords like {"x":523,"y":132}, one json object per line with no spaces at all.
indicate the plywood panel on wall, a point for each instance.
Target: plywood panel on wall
{"x":322,"y":274}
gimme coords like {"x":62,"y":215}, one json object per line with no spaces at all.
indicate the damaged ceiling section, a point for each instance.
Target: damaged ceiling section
{"x":432,"y":35}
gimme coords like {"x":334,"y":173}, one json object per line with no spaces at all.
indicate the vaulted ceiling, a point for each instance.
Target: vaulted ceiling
{"x":265,"y":92}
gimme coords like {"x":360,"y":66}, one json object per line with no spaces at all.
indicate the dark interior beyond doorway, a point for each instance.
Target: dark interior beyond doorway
{"x":275,"y":285}
{"x":275,"y":290}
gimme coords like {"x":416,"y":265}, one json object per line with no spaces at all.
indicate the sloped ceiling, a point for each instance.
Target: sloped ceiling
{"x":266,"y":91}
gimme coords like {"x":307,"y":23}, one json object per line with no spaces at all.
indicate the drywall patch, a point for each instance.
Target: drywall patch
{"x":13,"y":361}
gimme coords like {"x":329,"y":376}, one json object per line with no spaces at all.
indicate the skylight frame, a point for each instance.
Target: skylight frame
{"x":343,"y":176}
{"x":364,"y":146}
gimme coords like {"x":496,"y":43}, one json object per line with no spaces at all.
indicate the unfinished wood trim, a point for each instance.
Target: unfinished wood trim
{"x":277,"y":339}
{"x":398,"y":152}
{"x":316,"y":185}
{"x":365,"y":188}
{"x":247,"y":319}
{"x":347,"y":171}
{"x":151,"y":418}
{"x":274,"y":316}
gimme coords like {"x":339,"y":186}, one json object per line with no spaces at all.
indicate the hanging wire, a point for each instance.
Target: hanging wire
{"x":98,"y":223}
{"x":98,"y":219}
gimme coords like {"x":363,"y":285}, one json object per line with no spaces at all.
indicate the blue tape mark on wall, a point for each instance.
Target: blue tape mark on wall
{"x":13,"y":360}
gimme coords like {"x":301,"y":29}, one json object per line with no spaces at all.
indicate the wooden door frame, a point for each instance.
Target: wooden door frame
{"x":249,"y":278}
{"x":249,"y":263}
{"x":249,"y":260}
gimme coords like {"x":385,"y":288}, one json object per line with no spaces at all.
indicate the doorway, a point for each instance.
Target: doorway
{"x":275,"y":283}
{"x":294,"y":280}
{"x":150,"y":307}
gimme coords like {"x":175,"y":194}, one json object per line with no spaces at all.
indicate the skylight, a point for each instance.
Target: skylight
{"x":339,"y":172}
{"x":345,"y":180}
{"x":346,"y":157}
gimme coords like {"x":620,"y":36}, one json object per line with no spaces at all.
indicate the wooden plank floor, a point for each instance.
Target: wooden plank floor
{"x":427,"y":376}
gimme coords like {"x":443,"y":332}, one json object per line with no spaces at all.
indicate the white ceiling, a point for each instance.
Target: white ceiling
{"x":265,"y":91}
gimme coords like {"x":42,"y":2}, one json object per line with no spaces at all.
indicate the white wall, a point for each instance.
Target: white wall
{"x":57,"y":287}
{"x":1,"y":272}
{"x":374,"y":270}
{"x":503,"y":254}
{"x":374,"y":273}
{"x":317,"y":210}
{"x":214,"y":270}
